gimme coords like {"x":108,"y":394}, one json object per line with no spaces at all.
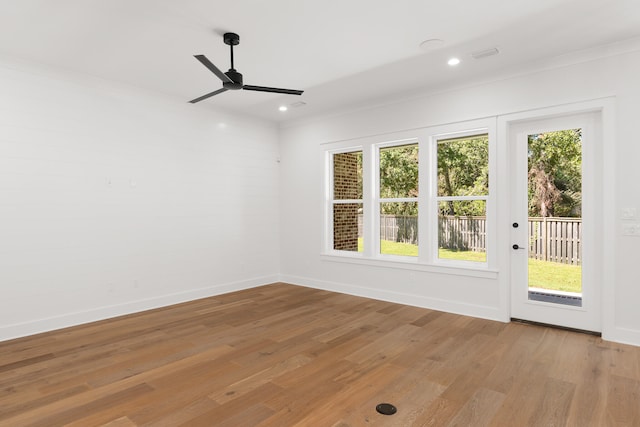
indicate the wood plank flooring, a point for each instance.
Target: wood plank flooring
{"x":283,"y":355}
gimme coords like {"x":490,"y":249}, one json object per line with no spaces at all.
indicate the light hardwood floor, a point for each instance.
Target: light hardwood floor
{"x":283,"y":355}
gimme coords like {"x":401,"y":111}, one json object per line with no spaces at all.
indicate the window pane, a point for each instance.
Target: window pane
{"x":399,"y":228}
{"x":399,"y":171}
{"x":555,"y":217}
{"x":347,"y":176}
{"x":462,"y":230}
{"x":463,"y":166}
{"x":347,"y":227}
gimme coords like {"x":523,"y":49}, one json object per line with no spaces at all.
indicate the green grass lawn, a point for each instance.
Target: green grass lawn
{"x":555,"y":276}
{"x":542,"y":274}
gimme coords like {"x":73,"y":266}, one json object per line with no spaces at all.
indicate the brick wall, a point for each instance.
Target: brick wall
{"x":346,"y":186}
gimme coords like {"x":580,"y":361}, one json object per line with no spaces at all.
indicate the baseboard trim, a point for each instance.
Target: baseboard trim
{"x":484,"y":312}
{"x":101,"y":313}
{"x":622,"y":335}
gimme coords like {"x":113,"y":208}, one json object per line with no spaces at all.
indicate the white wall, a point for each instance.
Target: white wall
{"x":113,"y":200}
{"x":613,"y":74}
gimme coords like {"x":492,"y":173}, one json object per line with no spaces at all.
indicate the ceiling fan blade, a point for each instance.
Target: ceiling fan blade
{"x":273,"y":89}
{"x":222,"y":76}
{"x":209,"y":95}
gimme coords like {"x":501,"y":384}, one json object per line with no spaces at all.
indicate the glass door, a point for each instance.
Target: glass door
{"x":552,"y":220}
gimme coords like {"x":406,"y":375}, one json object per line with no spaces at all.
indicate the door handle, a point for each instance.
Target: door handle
{"x":517,"y":247}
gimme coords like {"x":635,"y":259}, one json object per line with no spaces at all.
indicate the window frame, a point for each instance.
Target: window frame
{"x":427,"y":259}
{"x":436,"y":199}
{"x":378,"y":200}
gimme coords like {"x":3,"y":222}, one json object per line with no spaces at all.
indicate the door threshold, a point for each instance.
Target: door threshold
{"x":564,"y":298}
{"x":564,"y":328}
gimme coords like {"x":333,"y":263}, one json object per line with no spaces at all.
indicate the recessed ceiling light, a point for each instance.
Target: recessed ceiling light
{"x":431,"y":44}
{"x":283,"y":108}
{"x":453,"y":61}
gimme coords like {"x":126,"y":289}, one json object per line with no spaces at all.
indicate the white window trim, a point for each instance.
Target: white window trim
{"x":450,"y":133}
{"x":377,"y":199}
{"x":427,"y":259}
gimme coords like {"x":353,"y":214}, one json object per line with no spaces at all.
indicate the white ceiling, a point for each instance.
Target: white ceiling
{"x":343,"y":53}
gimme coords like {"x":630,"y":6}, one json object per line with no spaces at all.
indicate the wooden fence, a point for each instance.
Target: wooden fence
{"x":556,"y":239}
{"x":399,"y":228}
{"x":550,"y":239}
{"x":462,"y":233}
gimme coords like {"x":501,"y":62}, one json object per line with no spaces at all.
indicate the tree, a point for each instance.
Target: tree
{"x":399,"y":178}
{"x":555,"y":173}
{"x":463,"y":170}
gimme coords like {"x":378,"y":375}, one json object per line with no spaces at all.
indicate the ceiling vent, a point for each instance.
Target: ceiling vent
{"x":485,"y":53}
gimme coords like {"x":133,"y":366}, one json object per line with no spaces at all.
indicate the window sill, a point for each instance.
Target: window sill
{"x":413,"y":264}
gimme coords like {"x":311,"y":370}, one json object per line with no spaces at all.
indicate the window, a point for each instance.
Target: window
{"x":347,"y":201}
{"x":398,"y":203}
{"x":417,"y":197}
{"x":462,"y":194}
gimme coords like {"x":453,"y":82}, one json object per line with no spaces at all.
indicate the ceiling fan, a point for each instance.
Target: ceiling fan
{"x":232,"y":80}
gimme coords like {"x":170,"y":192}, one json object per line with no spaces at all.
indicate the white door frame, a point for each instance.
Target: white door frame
{"x":603,"y":259}
{"x":588,"y":316}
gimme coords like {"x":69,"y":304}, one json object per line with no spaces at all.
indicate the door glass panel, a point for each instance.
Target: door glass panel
{"x":554,"y":171}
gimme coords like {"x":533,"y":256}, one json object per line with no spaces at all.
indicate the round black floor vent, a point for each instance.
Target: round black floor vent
{"x":386,"y":409}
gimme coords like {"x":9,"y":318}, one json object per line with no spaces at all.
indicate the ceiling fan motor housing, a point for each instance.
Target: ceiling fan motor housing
{"x":231,"y":39}
{"x":237,"y":80}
